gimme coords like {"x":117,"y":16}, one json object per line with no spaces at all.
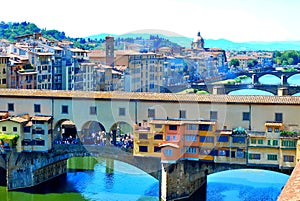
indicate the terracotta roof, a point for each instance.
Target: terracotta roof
{"x":41,"y":118}
{"x":146,"y":96}
{"x":291,"y":190}
{"x":169,"y":145}
{"x":3,"y":113}
{"x":16,"y":119}
{"x":180,"y":122}
{"x":277,"y":124}
{"x":68,"y":122}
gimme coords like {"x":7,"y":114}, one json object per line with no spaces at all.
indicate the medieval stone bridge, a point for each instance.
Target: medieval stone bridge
{"x":278,"y":74}
{"x":185,"y":180}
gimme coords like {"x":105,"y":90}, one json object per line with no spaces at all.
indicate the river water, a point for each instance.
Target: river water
{"x":100,"y":179}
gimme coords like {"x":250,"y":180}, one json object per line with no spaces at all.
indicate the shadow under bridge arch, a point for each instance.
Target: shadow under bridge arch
{"x":121,"y":134}
{"x":65,"y":130}
{"x":92,"y":132}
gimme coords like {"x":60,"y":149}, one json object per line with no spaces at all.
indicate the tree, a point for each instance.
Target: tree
{"x":234,"y":62}
{"x":252,"y":63}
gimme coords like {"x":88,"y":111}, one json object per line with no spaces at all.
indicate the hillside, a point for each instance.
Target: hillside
{"x":12,"y":29}
{"x":211,"y":43}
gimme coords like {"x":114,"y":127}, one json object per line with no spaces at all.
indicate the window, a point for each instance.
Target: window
{"x":172,"y":127}
{"x":205,"y":127}
{"x":260,"y":141}
{"x":272,"y":157}
{"x":158,"y":136}
{"x":168,"y":138}
{"x":15,"y":129}
{"x":168,"y":152}
{"x":93,"y":110}
{"x":158,"y":125}
{"x":64,"y":109}
{"x":288,"y":143}
{"x":223,"y":139}
{"x":182,"y":114}
{"x":39,"y":142}
{"x":191,"y":138}
{"x":4,"y":81}
{"x":278,"y":117}
{"x":143,"y":136}
{"x":3,"y":128}
{"x":240,"y":154}
{"x":174,"y":137}
{"x":143,"y":148}
{"x":288,"y":158}
{"x":213,"y":115}
{"x":151,"y":113}
{"x":121,"y":111}
{"x":10,"y":107}
{"x":275,"y":142}
{"x":269,"y":142}
{"x":254,"y":156}
{"x":270,"y":130}
{"x":207,"y":139}
{"x":191,"y":127}
{"x":223,"y":153}
{"x":276,"y":130}
{"x":253,"y":141}
{"x":27,"y":129}
{"x":205,"y":152}
{"x":157,"y":149}
{"x":37,"y":108}
{"x":191,"y":150}
{"x":246,"y":116}
{"x":232,"y":154}
{"x":238,"y":140}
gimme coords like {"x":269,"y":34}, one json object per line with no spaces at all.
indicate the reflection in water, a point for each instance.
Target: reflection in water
{"x":251,"y":92}
{"x":102,"y":180}
{"x":294,"y":80}
{"x":245,"y":184}
{"x":269,"y":79}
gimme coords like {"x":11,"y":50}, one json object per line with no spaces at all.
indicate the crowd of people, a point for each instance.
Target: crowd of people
{"x":123,"y":141}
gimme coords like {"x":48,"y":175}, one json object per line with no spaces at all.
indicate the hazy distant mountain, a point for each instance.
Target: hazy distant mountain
{"x":220,"y":43}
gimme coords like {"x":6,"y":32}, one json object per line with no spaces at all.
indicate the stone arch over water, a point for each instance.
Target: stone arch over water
{"x":65,"y":128}
{"x":91,"y":132}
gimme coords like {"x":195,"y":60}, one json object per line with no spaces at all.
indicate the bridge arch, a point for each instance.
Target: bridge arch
{"x":91,"y":132}
{"x":65,"y":128}
{"x":121,"y":127}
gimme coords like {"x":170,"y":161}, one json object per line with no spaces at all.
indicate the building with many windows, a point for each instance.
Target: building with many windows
{"x":144,"y":71}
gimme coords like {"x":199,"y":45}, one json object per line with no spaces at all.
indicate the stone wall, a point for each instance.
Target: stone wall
{"x":181,"y":180}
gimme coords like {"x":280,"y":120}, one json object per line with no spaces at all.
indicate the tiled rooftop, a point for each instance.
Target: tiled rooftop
{"x":116,"y":95}
{"x":291,"y":190}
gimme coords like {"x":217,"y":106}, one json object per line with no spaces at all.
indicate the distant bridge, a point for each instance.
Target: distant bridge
{"x":227,"y":88}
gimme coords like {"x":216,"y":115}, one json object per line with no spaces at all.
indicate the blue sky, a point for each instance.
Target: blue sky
{"x":236,"y":20}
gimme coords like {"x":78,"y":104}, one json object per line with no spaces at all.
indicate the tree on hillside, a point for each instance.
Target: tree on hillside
{"x":252,"y":63}
{"x":234,"y":62}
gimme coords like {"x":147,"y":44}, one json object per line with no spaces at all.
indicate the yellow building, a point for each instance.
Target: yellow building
{"x":148,"y":138}
{"x":144,"y":72}
{"x":13,"y":128}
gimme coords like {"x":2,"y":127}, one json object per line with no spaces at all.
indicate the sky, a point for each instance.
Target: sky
{"x":235,"y":20}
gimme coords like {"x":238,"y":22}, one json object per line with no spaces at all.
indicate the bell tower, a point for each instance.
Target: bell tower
{"x":109,"y":46}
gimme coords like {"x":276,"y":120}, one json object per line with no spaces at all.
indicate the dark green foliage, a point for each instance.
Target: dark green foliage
{"x":289,"y":57}
{"x":234,"y":63}
{"x":10,"y":30}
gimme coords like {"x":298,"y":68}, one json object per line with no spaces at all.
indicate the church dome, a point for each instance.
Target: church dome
{"x":198,"y":38}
